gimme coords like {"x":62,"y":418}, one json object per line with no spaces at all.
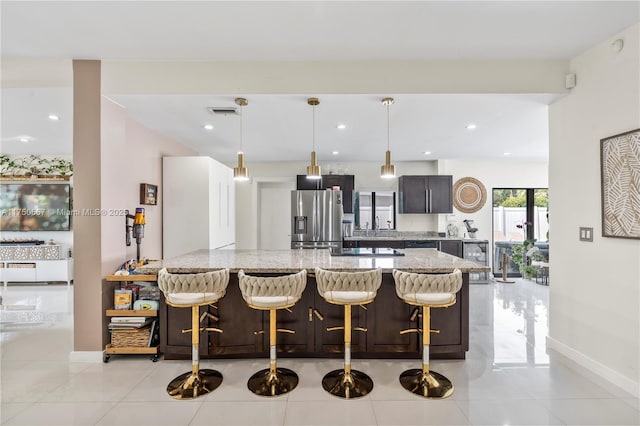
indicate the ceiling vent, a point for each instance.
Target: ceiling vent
{"x":222,"y":110}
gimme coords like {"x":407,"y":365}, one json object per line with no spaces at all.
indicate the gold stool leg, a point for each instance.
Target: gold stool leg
{"x":197,"y":382}
{"x":272,"y":381}
{"x":423,"y":382}
{"x":347,"y":383}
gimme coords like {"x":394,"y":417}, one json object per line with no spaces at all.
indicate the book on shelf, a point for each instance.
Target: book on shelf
{"x":129,"y":325}
{"x":129,"y":319}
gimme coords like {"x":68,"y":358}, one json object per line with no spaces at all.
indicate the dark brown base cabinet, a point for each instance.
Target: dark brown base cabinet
{"x":245,"y":330}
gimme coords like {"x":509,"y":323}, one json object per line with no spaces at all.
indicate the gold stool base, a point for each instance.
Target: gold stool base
{"x":430,"y":385}
{"x":189,"y":385}
{"x":264,"y":383}
{"x":356,"y":384}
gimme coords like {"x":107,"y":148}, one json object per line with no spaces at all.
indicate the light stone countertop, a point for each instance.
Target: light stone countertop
{"x":289,"y":261}
{"x":384,"y":235}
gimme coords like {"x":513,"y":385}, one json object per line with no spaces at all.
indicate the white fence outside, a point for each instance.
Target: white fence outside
{"x":505,"y":220}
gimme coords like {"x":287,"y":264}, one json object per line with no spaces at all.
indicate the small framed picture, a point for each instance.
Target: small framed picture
{"x":148,"y":194}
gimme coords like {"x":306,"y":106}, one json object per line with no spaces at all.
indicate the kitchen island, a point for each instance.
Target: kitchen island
{"x":244,"y":328}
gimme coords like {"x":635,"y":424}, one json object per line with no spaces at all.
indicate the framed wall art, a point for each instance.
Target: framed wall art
{"x":148,"y":194}
{"x":620,"y":175}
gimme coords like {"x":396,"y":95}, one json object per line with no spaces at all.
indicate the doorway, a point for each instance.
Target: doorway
{"x":274,"y":215}
{"x":519,"y":215}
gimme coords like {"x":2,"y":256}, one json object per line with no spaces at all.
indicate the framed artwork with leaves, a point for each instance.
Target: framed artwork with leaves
{"x":620,"y":175}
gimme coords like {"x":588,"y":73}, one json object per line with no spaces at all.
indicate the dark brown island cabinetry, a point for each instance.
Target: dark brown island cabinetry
{"x":345,"y":182}
{"x":453,"y":247}
{"x":425,"y":194}
{"x":245,"y":330}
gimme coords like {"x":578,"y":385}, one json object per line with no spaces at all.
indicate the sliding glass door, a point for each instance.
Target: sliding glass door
{"x":520,"y":215}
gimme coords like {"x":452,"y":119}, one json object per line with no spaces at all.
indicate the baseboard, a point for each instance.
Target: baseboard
{"x":595,"y":367}
{"x":85,"y":356}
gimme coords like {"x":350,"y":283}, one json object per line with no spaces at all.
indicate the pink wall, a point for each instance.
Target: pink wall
{"x":131,"y":154}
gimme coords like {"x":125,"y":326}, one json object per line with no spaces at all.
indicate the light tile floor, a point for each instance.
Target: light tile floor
{"x":507,"y":378}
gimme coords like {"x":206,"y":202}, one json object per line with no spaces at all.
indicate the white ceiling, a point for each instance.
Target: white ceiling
{"x":278,"y":127}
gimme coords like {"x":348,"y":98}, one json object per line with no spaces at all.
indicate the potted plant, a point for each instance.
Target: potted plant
{"x":522,"y":255}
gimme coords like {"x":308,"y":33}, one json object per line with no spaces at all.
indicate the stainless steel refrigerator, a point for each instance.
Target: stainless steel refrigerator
{"x":316,"y":219}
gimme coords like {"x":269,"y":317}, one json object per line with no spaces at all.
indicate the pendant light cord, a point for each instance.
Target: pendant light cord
{"x":314,"y":127}
{"x":241,"y":114}
{"x":388,"y":127}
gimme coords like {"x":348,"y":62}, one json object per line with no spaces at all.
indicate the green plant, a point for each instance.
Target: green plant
{"x":522,"y":255}
{"x":7,"y":165}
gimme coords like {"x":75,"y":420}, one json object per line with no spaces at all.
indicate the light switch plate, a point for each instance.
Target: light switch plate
{"x":586,"y":234}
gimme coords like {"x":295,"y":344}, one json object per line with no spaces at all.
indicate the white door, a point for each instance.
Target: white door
{"x":274,"y":215}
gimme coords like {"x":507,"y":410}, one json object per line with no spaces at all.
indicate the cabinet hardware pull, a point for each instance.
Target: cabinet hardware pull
{"x":339,"y":327}
{"x":363,"y":307}
{"x":258,"y":332}
{"x":410,"y":330}
{"x":414,"y":314}
{"x":430,"y":203}
{"x":426,"y":201}
{"x":213,"y":306}
{"x":310,"y":315}
{"x":318,"y":314}
{"x":363,"y":329}
{"x":288,"y":310}
{"x":285,"y":330}
{"x":208,"y":315}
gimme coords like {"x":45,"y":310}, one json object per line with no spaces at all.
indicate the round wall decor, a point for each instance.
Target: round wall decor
{"x":469,"y":195}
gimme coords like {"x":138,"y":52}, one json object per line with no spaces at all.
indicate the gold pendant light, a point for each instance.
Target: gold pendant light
{"x":388,"y":170}
{"x":241,"y":173}
{"x":313,"y":170}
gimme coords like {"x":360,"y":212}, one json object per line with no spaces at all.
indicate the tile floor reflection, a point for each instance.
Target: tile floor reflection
{"x":507,"y":378}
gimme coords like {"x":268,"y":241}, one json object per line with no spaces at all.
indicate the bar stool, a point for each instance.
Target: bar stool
{"x":347,"y":289}
{"x":193,"y":291}
{"x":271,"y":294}
{"x":428,"y":291}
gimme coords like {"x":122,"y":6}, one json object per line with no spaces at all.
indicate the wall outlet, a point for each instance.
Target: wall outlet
{"x":586,"y":234}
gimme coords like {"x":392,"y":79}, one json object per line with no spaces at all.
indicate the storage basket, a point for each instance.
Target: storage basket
{"x":125,"y":338}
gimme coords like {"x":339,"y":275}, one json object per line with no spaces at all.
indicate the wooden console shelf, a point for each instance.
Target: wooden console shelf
{"x":127,"y":350}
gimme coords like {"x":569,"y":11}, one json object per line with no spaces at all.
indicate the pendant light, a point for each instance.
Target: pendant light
{"x":388,"y":170}
{"x":313,"y":170}
{"x":241,"y":173}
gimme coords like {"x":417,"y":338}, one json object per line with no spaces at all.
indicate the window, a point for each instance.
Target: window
{"x":375,"y":208}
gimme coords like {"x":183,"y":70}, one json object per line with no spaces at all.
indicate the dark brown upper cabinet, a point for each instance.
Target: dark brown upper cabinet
{"x":345,"y":182}
{"x":426,"y":194}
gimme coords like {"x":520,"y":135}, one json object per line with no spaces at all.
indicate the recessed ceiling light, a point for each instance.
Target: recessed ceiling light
{"x":427,"y":153}
{"x":506,"y":154}
{"x":24,"y":139}
{"x":208,"y":127}
{"x":341,"y":126}
{"x":470,"y":126}
{"x":335,"y":153}
{"x":54,"y":117}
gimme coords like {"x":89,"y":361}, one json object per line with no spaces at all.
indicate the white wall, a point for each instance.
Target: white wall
{"x":594,"y":292}
{"x":131,"y":154}
{"x":503,"y":173}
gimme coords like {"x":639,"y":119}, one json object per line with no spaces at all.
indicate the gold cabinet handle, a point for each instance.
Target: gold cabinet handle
{"x":318,"y":314}
{"x":414,"y":314}
{"x":310,"y":314}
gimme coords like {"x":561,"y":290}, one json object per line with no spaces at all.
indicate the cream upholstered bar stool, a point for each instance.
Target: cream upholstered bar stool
{"x":193,"y":291}
{"x":428,"y":291}
{"x":271,"y":294}
{"x":347,"y":289}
